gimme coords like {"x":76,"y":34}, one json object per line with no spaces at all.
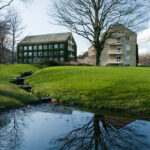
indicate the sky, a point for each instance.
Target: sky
{"x":37,"y":21}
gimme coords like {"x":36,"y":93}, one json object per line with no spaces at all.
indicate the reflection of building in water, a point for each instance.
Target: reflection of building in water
{"x":118,"y":122}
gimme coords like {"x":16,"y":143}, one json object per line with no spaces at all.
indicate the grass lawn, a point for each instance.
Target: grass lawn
{"x":10,"y":95}
{"x":95,"y":87}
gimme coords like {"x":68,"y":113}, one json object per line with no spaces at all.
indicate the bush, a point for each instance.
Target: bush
{"x":51,"y":63}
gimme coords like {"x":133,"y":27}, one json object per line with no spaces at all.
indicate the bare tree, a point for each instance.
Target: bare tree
{"x":4,"y":30}
{"x":5,"y":4}
{"x":93,"y":19}
{"x":15,"y":25}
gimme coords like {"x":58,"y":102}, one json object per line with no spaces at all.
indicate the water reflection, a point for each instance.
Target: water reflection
{"x":49,"y":127}
{"x":101,"y":133}
{"x":11,"y":130}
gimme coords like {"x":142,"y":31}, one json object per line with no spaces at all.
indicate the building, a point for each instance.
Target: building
{"x":59,"y":47}
{"x":119,"y":50}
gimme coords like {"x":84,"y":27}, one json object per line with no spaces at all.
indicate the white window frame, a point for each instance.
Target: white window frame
{"x":25,"y":54}
{"x":50,"y":46}
{"x":118,"y":58}
{"x":35,"y":47}
{"x":45,"y":46}
{"x":25,"y":48}
{"x":34,"y":53}
{"x":45,"y":53}
{"x":118,"y":49}
{"x":30,"y":54}
{"x":61,"y":59}
{"x":128,"y":47}
{"x":127,"y":38}
{"x":128,"y":57}
{"x":118,"y":39}
{"x":56,"y":46}
{"x":62,"y":46}
{"x":39,"y":53}
{"x":30,"y":48}
{"x":39,"y":47}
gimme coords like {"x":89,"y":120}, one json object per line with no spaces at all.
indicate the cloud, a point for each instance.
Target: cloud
{"x":144,"y":36}
{"x":143,"y":51}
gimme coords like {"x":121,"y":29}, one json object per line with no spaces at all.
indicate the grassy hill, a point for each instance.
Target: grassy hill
{"x":95,"y":87}
{"x":10,"y":95}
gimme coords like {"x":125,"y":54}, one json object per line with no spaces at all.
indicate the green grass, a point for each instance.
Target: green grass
{"x":95,"y":87}
{"x":10,"y":95}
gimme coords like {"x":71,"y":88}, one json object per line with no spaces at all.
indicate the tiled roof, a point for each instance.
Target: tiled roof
{"x":46,"y":38}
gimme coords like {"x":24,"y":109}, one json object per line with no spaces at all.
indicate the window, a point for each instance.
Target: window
{"x":118,"y":58}
{"x":127,"y":48}
{"x":45,"y":46}
{"x":35,"y":53}
{"x":30,"y":60}
{"x":62,"y":59}
{"x":56,"y":46}
{"x":50,"y":53}
{"x":50,"y":58}
{"x":128,"y":57}
{"x":61,"y":52}
{"x":56,"y":59}
{"x":20,"y":48}
{"x":35,"y":60}
{"x":40,"y":53}
{"x":61,"y":45}
{"x":56,"y":53}
{"x":118,"y":49}
{"x":118,"y":40}
{"x":25,"y":48}
{"x":39,"y":60}
{"x":30,"y":53}
{"x":127,"y":38}
{"x":20,"y":60}
{"x":25,"y":60}
{"x":40,"y":47}
{"x":50,"y":46}
{"x":45,"y":53}
{"x":127,"y":65}
{"x":30,"y":47}
{"x":20,"y":54}
{"x":35,"y":47}
{"x":25,"y":54}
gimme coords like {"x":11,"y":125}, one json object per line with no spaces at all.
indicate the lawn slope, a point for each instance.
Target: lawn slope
{"x":10,"y":95}
{"x":95,"y":87}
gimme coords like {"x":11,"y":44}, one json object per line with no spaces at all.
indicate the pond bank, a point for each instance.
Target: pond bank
{"x":117,"y":89}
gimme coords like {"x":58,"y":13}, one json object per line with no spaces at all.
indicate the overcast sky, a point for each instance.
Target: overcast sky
{"x":37,"y":21}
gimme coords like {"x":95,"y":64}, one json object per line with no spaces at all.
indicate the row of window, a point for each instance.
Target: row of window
{"x":119,"y":39}
{"x":56,"y":53}
{"x":38,"y":60}
{"x":126,"y":58}
{"x":40,"y":47}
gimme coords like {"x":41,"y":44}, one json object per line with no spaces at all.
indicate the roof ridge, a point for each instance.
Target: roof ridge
{"x":49,"y":34}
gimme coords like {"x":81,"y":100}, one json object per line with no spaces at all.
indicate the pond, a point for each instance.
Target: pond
{"x":46,"y":126}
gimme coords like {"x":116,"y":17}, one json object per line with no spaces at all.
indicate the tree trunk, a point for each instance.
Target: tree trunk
{"x":98,"y":50}
{"x":13,"y":47}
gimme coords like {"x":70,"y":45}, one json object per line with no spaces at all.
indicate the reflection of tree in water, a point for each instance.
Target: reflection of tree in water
{"x":99,"y":134}
{"x":10,"y":131}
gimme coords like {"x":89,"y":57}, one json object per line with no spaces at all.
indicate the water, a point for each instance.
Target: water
{"x":45,"y":127}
